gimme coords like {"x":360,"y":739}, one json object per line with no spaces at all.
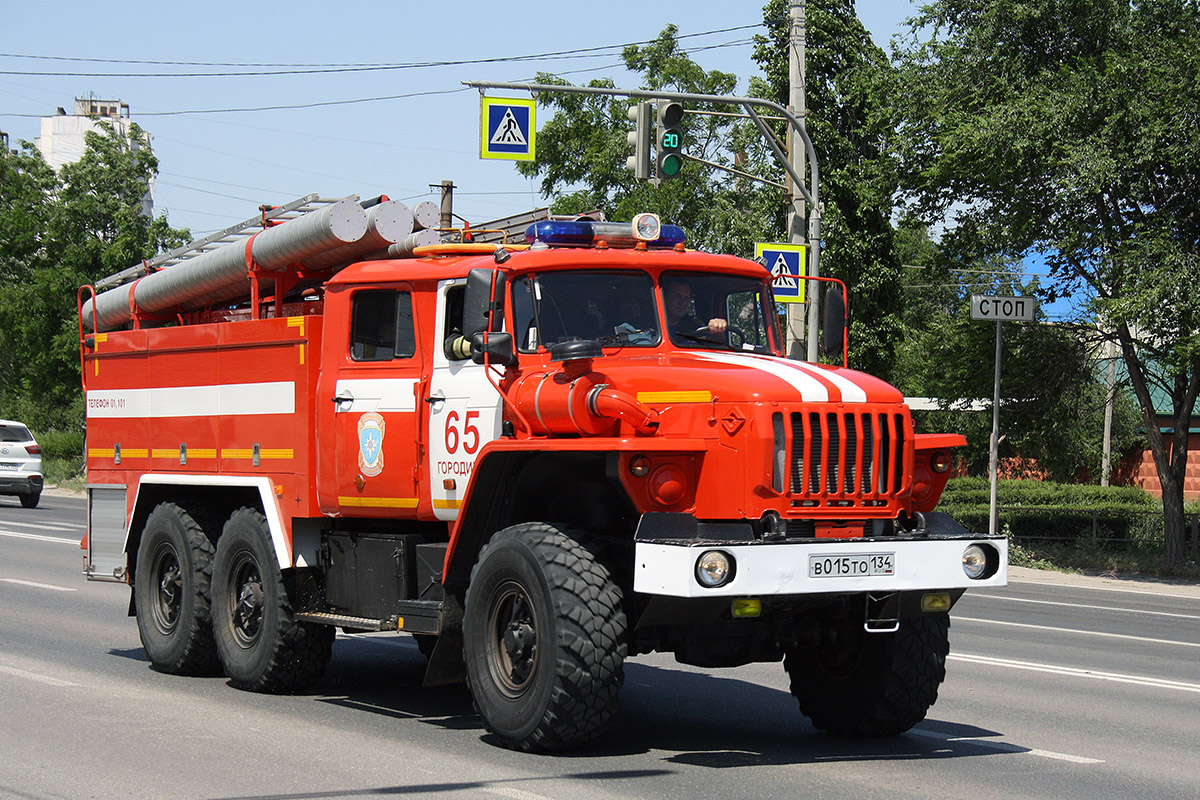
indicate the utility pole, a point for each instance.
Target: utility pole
{"x":797,"y":216}
{"x":1110,"y":350}
{"x":447,"y":217}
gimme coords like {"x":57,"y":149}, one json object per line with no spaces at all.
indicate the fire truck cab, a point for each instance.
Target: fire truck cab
{"x":538,"y":459}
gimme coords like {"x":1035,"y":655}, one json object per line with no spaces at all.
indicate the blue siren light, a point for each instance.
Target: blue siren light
{"x":585,"y":234}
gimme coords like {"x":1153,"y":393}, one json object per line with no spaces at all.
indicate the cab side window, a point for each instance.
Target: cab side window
{"x":381,"y":326}
{"x":453,"y":344}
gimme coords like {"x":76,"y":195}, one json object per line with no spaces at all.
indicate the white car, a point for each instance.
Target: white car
{"x":20,"y":463}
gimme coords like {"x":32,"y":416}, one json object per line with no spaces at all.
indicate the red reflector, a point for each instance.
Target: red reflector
{"x":845,"y":532}
{"x":83,"y":543}
{"x":33,"y":449}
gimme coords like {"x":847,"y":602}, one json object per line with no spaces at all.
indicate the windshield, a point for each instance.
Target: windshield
{"x":613,"y":308}
{"x":621,"y":309}
{"x":718,"y":312}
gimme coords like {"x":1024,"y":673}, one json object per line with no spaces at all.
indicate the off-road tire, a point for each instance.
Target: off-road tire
{"x":172,"y":590}
{"x":873,"y":684}
{"x":543,"y":638}
{"x":262,"y":647}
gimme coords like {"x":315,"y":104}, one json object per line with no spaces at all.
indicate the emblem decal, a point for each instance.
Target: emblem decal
{"x":370,"y":444}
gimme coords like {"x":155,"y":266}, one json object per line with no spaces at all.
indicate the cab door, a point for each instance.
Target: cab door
{"x":372,"y":397}
{"x":464,"y":411}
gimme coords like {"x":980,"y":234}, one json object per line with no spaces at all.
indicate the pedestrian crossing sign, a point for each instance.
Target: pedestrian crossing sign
{"x":787,"y":266}
{"x":507,"y":128}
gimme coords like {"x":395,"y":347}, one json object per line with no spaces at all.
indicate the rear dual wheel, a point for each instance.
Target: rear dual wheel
{"x":172,"y":590}
{"x":262,"y":647}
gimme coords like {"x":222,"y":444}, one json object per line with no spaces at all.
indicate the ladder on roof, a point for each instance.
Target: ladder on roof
{"x":234,"y":233}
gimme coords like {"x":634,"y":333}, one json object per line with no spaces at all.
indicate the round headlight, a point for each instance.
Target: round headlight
{"x":975,"y":562}
{"x":714,"y":569}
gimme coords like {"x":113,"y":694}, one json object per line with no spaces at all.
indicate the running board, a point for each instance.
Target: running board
{"x":414,"y":616}
{"x":354,"y":623}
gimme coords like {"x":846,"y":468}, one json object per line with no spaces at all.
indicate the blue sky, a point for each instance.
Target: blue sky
{"x":216,"y":168}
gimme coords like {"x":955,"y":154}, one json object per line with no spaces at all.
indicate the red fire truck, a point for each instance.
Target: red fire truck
{"x":538,"y":459}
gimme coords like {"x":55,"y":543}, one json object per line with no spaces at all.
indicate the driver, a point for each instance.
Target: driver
{"x":677,"y":297}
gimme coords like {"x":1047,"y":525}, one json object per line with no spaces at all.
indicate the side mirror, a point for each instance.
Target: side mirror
{"x":494,"y":346}
{"x":833,"y":323}
{"x":478,"y":301}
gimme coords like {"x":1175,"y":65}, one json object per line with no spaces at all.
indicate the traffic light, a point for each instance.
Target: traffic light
{"x":639,"y":139}
{"x":670,"y":139}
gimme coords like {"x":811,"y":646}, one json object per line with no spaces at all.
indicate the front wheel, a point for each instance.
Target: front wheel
{"x":262,"y":646}
{"x":544,"y":638}
{"x":854,"y":683}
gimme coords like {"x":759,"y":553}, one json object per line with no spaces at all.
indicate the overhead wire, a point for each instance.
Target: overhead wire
{"x":315,"y":69}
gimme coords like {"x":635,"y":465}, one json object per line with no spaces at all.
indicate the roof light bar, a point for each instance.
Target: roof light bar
{"x":617,"y":234}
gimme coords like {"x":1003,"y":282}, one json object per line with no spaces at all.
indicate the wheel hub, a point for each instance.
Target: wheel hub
{"x":247,"y":602}
{"x":170,"y":586}
{"x":514,"y":651}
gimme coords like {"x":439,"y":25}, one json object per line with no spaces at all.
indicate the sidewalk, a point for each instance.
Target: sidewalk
{"x":1127,"y":583}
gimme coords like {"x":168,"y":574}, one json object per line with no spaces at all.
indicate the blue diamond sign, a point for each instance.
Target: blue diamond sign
{"x":506,"y":128}
{"x":787,"y":266}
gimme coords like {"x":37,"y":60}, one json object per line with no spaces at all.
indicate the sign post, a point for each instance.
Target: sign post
{"x":987,"y":308}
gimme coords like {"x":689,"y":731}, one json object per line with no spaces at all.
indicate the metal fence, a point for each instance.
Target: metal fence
{"x":1123,"y":529}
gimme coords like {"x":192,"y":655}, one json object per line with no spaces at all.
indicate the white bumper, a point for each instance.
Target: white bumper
{"x":795,"y":568}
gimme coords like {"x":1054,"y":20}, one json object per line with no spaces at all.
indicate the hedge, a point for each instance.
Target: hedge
{"x":1046,"y":511}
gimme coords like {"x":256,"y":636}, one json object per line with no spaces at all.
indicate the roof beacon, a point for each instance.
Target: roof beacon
{"x":644,"y":228}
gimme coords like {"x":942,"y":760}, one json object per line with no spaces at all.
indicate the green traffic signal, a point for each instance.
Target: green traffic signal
{"x":669,"y":165}
{"x":669,"y":154}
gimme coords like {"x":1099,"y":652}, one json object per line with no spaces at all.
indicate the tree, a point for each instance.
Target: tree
{"x":850,"y":124}
{"x":1070,"y":129}
{"x":582,"y":151}
{"x":57,"y":233}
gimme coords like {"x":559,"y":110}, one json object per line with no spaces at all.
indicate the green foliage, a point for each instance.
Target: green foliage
{"x":582,"y":151}
{"x":850,"y":124}
{"x":62,"y":457}
{"x":1039,"y":512}
{"x":1045,"y":494}
{"x":61,"y":444}
{"x":1053,"y":392}
{"x":1070,"y":129}
{"x":57,"y":233}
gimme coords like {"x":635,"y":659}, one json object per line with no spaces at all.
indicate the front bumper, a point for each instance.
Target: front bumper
{"x":765,"y":569}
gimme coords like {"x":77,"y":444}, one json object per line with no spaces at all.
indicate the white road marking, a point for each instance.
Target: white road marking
{"x":38,"y":538}
{"x":1078,"y":672}
{"x":38,"y":585}
{"x":517,"y":794}
{"x":33,"y":676}
{"x":1006,"y":747}
{"x":1094,"y":608}
{"x":44,"y":526}
{"x":1100,"y":634}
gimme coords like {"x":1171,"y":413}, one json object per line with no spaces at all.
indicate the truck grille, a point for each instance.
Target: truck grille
{"x":858,"y":453}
